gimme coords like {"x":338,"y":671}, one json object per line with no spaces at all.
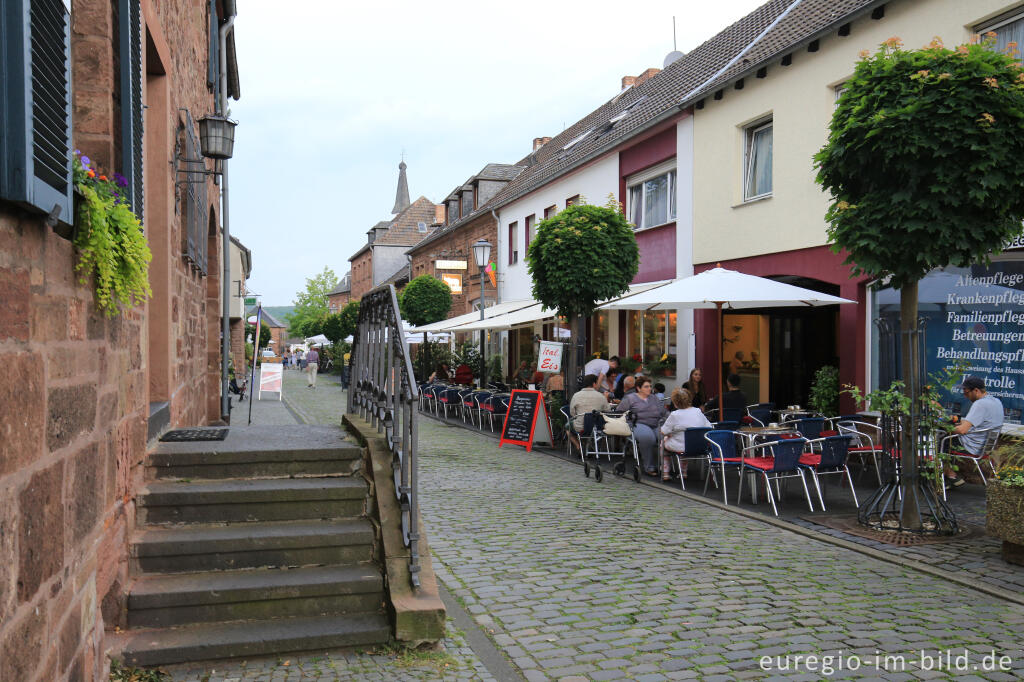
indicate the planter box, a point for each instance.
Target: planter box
{"x":1005,"y":519}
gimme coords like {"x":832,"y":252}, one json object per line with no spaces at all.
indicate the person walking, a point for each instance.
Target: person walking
{"x":312,"y":365}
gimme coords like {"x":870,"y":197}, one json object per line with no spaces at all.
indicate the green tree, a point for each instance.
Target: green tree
{"x":264,"y":333}
{"x":922,"y":163}
{"x":311,"y":304}
{"x":425,"y":300}
{"x":580,"y":256}
{"x":332,"y":327}
{"x":349,"y":319}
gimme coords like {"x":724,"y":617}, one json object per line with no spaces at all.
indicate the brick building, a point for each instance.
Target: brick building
{"x":448,"y":250}
{"x":340,"y":295}
{"x":82,"y":392}
{"x":384,"y":253}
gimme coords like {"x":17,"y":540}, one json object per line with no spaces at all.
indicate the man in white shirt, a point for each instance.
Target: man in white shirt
{"x":599,"y":367}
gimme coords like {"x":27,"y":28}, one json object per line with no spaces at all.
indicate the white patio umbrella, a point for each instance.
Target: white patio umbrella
{"x":318,"y":339}
{"x":720,"y":288}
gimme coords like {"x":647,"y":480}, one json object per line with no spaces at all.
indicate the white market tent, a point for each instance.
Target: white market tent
{"x":319,"y":339}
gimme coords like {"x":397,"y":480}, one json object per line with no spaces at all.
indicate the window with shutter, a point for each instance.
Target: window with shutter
{"x":194,"y":233}
{"x":35,"y":105}
{"x":130,"y":82}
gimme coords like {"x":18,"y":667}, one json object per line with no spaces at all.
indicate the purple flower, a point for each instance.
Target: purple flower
{"x":86,"y":161}
{"x":121,"y":180}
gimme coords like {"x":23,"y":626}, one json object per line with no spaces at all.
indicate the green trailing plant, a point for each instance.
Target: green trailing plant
{"x":824,"y":396}
{"x":109,"y":238}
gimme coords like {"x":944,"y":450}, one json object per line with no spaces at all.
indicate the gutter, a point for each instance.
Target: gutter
{"x":225,"y":396}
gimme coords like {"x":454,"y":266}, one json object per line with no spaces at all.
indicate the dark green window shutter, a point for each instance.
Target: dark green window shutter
{"x":130,"y":52}
{"x":35,"y":105}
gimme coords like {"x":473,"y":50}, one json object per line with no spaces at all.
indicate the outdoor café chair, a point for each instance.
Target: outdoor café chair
{"x":481,"y":398}
{"x":496,"y":408}
{"x":726,"y":425}
{"x":761,"y":414}
{"x":865,"y":439}
{"x":831,"y":460}
{"x":784,"y":463}
{"x":448,"y":398}
{"x":732,"y":414}
{"x":467,"y":404}
{"x":426,"y":397}
{"x":953,"y":445}
{"x":564,"y":409}
{"x":810,"y":427}
{"x":695,"y":448}
{"x":723,"y":451}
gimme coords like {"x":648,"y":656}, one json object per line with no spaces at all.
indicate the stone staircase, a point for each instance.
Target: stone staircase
{"x":257,"y":545}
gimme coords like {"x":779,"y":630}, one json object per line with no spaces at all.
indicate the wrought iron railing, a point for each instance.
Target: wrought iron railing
{"x":383,"y":391}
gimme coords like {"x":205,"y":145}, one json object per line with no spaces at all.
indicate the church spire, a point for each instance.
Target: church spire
{"x":402,"y":195}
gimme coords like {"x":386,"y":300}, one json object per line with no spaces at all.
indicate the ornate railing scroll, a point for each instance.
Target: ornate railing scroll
{"x":383,"y":391}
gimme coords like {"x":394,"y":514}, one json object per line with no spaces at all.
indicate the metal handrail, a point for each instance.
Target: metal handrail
{"x":383,"y":391}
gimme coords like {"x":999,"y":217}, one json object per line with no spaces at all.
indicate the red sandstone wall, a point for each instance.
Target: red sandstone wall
{"x":75,"y":386}
{"x":458,"y":245}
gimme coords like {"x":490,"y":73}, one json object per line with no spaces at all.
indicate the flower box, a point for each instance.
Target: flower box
{"x":1005,"y":519}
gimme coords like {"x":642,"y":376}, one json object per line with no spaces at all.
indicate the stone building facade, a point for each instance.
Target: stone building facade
{"x":82,"y":393}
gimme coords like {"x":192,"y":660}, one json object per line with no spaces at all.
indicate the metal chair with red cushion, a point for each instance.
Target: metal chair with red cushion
{"x":865,"y":439}
{"x":784,"y":463}
{"x":953,"y":445}
{"x":724,"y":451}
{"x":830,"y":460}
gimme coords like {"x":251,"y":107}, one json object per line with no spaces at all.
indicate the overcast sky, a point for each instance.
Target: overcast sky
{"x":333,"y":92}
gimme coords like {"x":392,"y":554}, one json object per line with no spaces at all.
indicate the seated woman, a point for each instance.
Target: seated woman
{"x":442,"y":374}
{"x":610,"y":379}
{"x":695,"y":385}
{"x":649,"y":413}
{"x":685,"y":416}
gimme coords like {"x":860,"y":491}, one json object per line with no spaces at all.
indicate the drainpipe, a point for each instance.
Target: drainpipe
{"x":225,"y":395}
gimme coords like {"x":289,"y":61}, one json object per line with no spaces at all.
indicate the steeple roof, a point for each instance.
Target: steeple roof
{"x":402,"y":195}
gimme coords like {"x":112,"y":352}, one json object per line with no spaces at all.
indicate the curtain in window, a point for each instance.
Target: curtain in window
{"x":1013,"y":32}
{"x":759,"y":170}
{"x":672,"y":195}
{"x":656,"y":201}
{"x":636,"y":205}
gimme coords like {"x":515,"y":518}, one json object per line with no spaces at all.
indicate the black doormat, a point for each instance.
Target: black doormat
{"x":190,"y":435}
{"x":848,"y":523}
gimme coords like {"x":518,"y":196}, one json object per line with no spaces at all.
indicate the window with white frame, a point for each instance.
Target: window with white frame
{"x":757,"y":161}
{"x":513,"y":242}
{"x":1009,"y":28}
{"x":651,"y":196}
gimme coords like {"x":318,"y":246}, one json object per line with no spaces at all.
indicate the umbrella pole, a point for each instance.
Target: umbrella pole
{"x":721,"y":361}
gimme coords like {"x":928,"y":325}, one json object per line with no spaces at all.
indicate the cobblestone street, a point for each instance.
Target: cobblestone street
{"x":574,"y":580}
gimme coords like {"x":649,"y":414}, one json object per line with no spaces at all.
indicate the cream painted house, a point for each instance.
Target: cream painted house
{"x":757,"y":207}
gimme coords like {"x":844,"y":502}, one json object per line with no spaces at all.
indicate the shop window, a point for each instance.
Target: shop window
{"x":599,"y":333}
{"x":651,"y":336}
{"x":651,"y":197}
{"x":757,"y":161}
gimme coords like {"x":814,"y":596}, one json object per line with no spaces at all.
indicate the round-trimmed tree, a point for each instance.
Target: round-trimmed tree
{"x":580,"y":256}
{"x":922,"y":163}
{"x":425,"y":300}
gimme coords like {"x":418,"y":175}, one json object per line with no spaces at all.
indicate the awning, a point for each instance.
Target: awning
{"x":451,"y":323}
{"x":537,"y":311}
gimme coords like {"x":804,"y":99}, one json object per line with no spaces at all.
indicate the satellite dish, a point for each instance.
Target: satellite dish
{"x":672,"y":56}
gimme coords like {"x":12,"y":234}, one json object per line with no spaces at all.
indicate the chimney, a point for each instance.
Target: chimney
{"x":637,"y":80}
{"x":539,"y":142}
{"x":439,"y":213}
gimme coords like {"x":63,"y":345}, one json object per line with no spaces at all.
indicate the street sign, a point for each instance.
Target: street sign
{"x":250,"y":300}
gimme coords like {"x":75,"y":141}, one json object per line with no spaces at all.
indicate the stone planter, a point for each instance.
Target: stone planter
{"x":1005,"y":519}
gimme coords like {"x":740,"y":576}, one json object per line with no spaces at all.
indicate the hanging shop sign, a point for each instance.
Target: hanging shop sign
{"x":550,"y":357}
{"x":454,"y":282}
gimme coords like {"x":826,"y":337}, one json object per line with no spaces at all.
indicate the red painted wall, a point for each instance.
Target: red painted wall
{"x":658,"y":245}
{"x":817,"y":263}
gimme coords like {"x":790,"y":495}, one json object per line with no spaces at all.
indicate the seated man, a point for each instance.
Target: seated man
{"x":733,"y":398}
{"x":986,"y":413}
{"x":585,"y":401}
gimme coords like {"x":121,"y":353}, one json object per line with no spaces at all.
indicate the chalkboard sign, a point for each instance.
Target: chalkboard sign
{"x":524,"y":407}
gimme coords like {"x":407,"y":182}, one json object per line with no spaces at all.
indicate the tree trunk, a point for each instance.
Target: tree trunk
{"x":910,"y":369}
{"x":571,"y":358}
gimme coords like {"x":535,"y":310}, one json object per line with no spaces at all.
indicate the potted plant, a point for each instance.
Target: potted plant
{"x":1005,"y":501}
{"x":825,"y":391}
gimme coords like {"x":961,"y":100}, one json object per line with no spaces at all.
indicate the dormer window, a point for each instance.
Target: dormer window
{"x":421,"y":226}
{"x":467,"y":202}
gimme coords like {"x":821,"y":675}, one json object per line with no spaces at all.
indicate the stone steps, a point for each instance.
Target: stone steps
{"x":260,"y":462}
{"x":252,"y":638}
{"x":222,"y":596}
{"x":163,"y":502}
{"x":196,"y":547}
{"x":256,"y":545}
